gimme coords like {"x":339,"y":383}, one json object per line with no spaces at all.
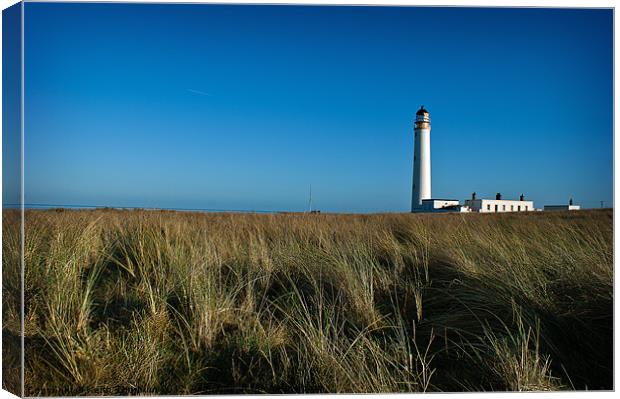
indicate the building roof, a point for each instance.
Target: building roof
{"x":438,"y":199}
{"x":422,"y":111}
{"x":500,"y":200}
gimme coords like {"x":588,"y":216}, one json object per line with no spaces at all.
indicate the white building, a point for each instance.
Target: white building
{"x":562,"y":207}
{"x":499,"y":205}
{"x":441,"y":205}
{"x":569,"y":207}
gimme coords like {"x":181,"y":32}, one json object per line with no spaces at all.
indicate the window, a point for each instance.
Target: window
{"x":512,"y":207}
{"x":503,"y":207}
{"x":526,"y":207}
{"x":518,"y":208}
{"x":496,"y":207}
{"x":488,"y":207}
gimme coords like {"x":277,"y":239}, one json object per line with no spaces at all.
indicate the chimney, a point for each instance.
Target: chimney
{"x":498,"y":196}
{"x":473,"y":195}
{"x":522,"y":197}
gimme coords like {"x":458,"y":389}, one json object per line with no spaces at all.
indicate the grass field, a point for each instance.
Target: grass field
{"x":150,"y":302}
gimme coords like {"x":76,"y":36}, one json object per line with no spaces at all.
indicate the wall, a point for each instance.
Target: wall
{"x":430,"y":205}
{"x":480,"y":205}
{"x":421,"y":167}
{"x":562,"y":207}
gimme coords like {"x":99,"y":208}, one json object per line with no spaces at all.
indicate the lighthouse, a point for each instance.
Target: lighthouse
{"x":421,"y":159}
{"x":421,"y":197}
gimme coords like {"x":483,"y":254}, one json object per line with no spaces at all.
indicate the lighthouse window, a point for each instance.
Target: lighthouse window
{"x":503,"y":207}
{"x":512,"y":207}
{"x":526,"y":207}
{"x":496,"y":208}
{"x":518,"y":208}
{"x":488,"y":207}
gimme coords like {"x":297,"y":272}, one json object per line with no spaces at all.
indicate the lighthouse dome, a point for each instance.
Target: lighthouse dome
{"x":422,"y":111}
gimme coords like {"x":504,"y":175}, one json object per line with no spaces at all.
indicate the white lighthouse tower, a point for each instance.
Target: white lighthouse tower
{"x":421,"y":159}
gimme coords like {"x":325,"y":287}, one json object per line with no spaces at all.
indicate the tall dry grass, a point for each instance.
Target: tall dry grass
{"x":149,"y":302}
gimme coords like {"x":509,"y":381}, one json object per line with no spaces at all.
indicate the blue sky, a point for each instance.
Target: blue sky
{"x":11,"y":104}
{"x":243,"y":107}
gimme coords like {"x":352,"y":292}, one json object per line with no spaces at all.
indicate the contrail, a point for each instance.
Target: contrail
{"x":202,"y":93}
